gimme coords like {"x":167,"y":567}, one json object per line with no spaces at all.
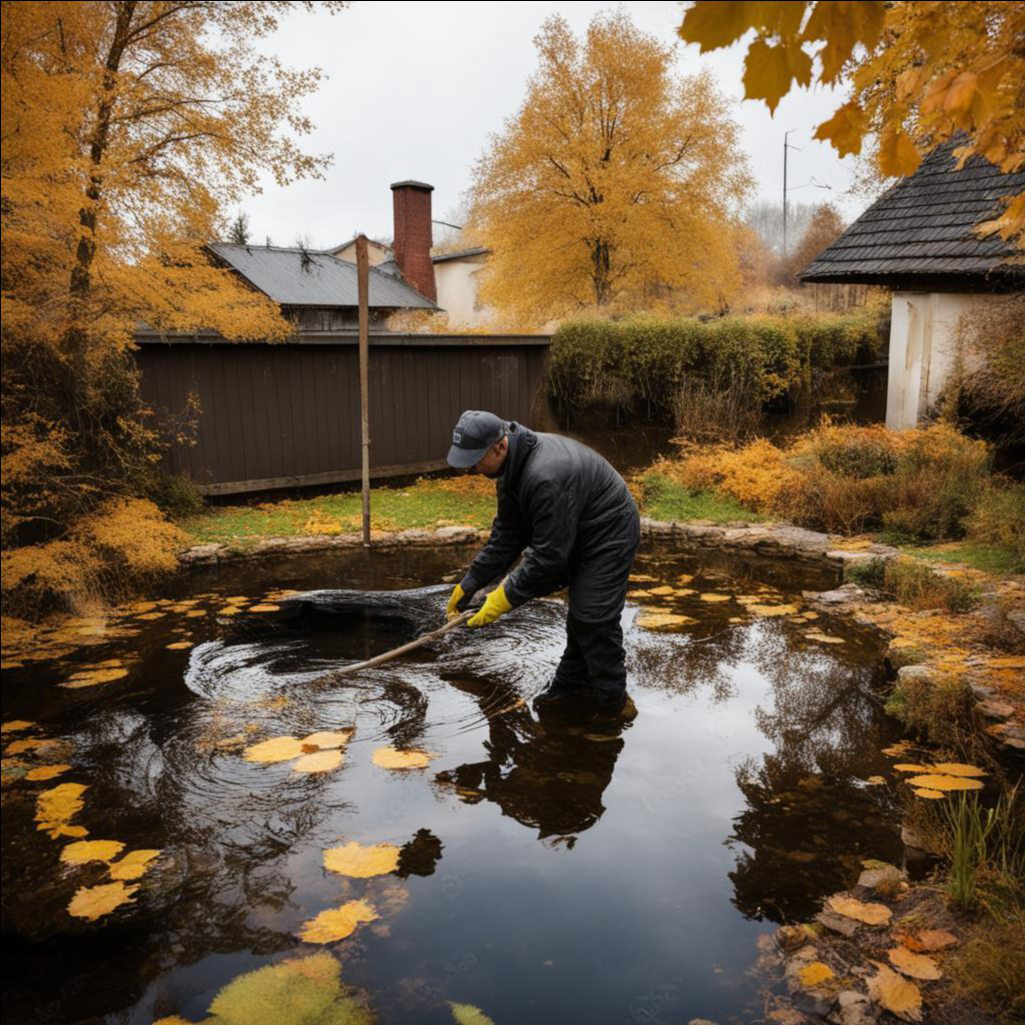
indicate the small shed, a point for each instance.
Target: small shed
{"x":919,"y":240}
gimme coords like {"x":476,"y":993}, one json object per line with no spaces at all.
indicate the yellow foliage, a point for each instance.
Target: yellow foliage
{"x":920,"y":73}
{"x":615,"y":185}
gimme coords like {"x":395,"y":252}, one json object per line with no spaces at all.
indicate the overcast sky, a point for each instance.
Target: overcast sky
{"x":414,"y":89}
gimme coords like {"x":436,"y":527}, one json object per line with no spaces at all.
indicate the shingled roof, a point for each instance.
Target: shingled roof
{"x":920,"y":234}
{"x":296,"y":277}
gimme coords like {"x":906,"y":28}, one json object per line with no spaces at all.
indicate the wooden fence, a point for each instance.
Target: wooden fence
{"x":275,"y":415}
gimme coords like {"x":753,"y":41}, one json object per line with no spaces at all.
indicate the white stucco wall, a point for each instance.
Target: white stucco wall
{"x":923,"y":350}
{"x":456,"y":282}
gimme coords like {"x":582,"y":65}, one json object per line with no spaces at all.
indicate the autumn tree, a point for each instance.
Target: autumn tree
{"x":919,"y":73}
{"x":128,"y":127}
{"x":825,"y":226}
{"x":616,"y":184}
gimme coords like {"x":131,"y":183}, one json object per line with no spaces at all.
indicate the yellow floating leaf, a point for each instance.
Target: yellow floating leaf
{"x":229,"y":610}
{"x":133,"y":865}
{"x":56,"y":807}
{"x":180,"y":645}
{"x":642,"y":578}
{"x":684,"y":592}
{"x":814,"y":974}
{"x":896,"y":750}
{"x":264,"y":608}
{"x":771,"y":610}
{"x":935,"y":781}
{"x":29,"y":744}
{"x":875,"y":780}
{"x":958,"y":769}
{"x":392,"y":758}
{"x":337,"y":923}
{"x":277,"y":749}
{"x":83,"y":851}
{"x":298,"y":991}
{"x":151,"y":615}
{"x":851,"y":907}
{"x":362,"y":861}
{"x":663,"y":590}
{"x":713,"y":596}
{"x":327,"y":738}
{"x":16,"y":726}
{"x":92,"y":902}
{"x":917,"y":966}
{"x":93,"y":677}
{"x":468,"y":1014}
{"x":46,"y":772}
{"x":662,"y":620}
{"x":931,"y":795}
{"x":911,"y":767}
{"x":815,"y":635}
{"x":318,"y":761}
{"x":895,"y":994}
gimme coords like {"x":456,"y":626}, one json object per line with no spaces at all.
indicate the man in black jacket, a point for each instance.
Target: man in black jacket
{"x":571,"y":517}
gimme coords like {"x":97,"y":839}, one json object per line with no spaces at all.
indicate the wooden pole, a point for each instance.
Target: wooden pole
{"x":363,"y":286}
{"x":395,"y":652}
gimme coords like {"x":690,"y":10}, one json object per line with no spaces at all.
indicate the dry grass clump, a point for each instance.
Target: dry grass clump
{"x":918,"y":484}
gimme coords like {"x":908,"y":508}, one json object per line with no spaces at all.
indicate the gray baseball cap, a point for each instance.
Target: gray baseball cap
{"x":476,"y":431}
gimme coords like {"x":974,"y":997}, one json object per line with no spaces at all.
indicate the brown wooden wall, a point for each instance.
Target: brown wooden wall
{"x":285,"y":414}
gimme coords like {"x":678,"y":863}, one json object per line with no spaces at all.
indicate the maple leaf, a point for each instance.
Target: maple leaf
{"x":851,"y":907}
{"x":92,"y":902}
{"x":897,"y":154}
{"x":133,"y":865}
{"x":918,"y":966}
{"x":338,"y":923}
{"x":362,"y":862}
{"x":897,"y":995}
{"x":842,"y":25}
{"x":769,"y":70}
{"x":83,"y":851}
{"x":392,"y":758}
{"x":318,"y":761}
{"x":845,"y":129}
{"x":277,"y":749}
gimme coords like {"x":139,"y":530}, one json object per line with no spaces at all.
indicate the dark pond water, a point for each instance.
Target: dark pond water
{"x":551,"y":870}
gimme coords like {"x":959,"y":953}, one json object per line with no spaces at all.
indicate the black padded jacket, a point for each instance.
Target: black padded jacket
{"x":570,"y":515}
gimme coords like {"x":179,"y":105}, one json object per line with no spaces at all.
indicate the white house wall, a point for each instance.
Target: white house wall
{"x":924,"y":343}
{"x":456,"y":282}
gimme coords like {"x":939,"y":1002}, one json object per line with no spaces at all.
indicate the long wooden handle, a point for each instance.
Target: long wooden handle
{"x":410,"y":646}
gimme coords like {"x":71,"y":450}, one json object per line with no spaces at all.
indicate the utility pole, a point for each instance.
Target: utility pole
{"x":363,"y":293}
{"x":786,"y":146}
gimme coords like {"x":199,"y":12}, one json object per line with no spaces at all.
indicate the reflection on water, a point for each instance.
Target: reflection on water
{"x":574,"y":867}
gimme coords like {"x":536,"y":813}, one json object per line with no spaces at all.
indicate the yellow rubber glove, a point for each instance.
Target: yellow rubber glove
{"x":496,"y":604}
{"x":453,"y":603}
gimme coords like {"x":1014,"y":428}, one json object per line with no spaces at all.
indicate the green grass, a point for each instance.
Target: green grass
{"x":664,"y":500}
{"x":427,"y":503}
{"x":988,"y":558}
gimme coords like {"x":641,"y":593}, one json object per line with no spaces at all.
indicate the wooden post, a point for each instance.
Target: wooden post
{"x":363,"y":284}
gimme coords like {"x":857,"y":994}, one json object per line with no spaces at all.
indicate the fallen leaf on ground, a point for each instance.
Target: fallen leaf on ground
{"x":935,"y":781}
{"x":180,"y":645}
{"x":133,"y":865}
{"x":895,"y":993}
{"x":875,"y":780}
{"x":46,"y":772}
{"x":92,"y":902}
{"x":318,"y":761}
{"x":663,"y":590}
{"x":930,"y":940}
{"x":83,"y":851}
{"x":917,"y":966}
{"x":327,"y":738}
{"x":29,"y":744}
{"x":851,"y":907}
{"x":815,"y":635}
{"x":712,"y":596}
{"x":958,"y":769}
{"x":814,"y":974}
{"x":337,"y":923}
{"x":277,"y":749}
{"x":362,"y":862}
{"x":898,"y":749}
{"x":929,"y":795}
{"x":468,"y":1014}
{"x":391,"y":758}
{"x":264,"y":608}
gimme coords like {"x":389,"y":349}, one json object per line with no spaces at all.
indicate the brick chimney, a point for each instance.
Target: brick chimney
{"x":411,"y":202}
